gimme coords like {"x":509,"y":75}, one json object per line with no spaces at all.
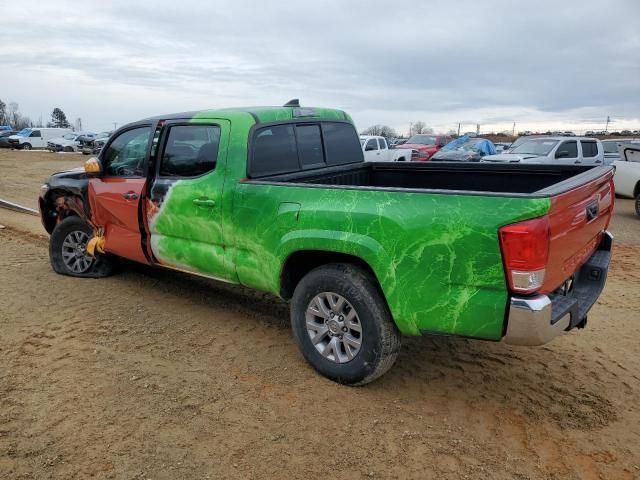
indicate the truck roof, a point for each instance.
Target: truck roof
{"x":262,"y":114}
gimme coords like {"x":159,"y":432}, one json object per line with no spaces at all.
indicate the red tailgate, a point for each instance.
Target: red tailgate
{"x":577,"y":219}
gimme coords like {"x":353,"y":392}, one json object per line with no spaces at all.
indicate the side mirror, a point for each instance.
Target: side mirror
{"x":562,"y":154}
{"x":92,"y":167}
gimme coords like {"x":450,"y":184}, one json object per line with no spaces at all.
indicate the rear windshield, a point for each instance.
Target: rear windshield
{"x":292,"y":147}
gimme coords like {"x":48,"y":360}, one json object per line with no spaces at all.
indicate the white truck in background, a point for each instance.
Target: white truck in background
{"x":376,"y":149}
{"x":627,"y":177}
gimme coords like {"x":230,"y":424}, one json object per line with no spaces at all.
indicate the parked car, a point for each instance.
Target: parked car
{"x":4,"y":138}
{"x":29,"y":138}
{"x":426,"y":145}
{"x":557,"y":150}
{"x":70,"y":142}
{"x":611,"y":148}
{"x":95,"y":146}
{"x":375,"y":149}
{"x":353,"y":245}
{"x":6,"y":128}
{"x":465,"y":149}
{"x":627,"y":178}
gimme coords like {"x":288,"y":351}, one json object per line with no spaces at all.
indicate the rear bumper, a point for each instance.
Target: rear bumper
{"x":539,"y":319}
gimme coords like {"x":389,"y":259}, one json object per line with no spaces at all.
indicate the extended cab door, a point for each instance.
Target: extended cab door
{"x":591,"y":154}
{"x":115,"y":195}
{"x":185,"y":201}
{"x":371,"y":151}
{"x":384,"y":154}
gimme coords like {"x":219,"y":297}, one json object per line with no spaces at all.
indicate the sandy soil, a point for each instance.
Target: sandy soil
{"x":152,"y":374}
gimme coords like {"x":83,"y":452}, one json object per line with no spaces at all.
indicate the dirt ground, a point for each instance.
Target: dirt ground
{"x":153,"y":374}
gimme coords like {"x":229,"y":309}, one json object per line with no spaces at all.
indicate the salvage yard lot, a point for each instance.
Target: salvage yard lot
{"x":153,"y":374}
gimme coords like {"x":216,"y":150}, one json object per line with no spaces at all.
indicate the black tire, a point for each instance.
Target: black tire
{"x":380,"y":340}
{"x":26,"y":146}
{"x":638,"y":205}
{"x":100,"y":266}
{"x":68,"y":149}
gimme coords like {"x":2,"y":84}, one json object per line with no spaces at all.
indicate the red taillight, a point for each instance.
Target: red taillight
{"x":525,"y":251}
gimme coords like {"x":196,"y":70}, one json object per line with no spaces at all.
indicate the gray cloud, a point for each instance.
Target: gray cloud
{"x":493,"y":62}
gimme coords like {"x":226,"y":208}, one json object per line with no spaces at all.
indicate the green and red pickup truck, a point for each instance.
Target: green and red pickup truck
{"x":279,"y":199}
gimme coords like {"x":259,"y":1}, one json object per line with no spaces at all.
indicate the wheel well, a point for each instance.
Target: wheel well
{"x":52,"y":212}
{"x":302,"y":262}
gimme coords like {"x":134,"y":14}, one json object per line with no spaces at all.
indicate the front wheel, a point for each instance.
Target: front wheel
{"x":68,"y":251}
{"x":26,"y":146}
{"x":342,"y":324}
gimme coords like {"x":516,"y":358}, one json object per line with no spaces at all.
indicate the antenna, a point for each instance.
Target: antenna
{"x":295,"y":102}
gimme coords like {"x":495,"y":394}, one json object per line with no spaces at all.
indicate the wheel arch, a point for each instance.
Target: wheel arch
{"x":301,"y":262}
{"x":58,"y":204}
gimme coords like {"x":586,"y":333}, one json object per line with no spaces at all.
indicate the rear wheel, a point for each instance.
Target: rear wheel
{"x":342,"y":325}
{"x":26,"y":146}
{"x":68,"y":251}
{"x":638,"y":205}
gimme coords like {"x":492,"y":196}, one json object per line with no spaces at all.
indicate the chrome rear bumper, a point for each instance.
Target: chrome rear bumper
{"x":538,"y":320}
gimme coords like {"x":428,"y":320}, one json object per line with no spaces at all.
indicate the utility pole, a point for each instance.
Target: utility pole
{"x":458,"y":129}
{"x":477,"y":129}
{"x":115,"y":126}
{"x":606,"y":127}
{"x":410,"y":128}
{"x":513,"y":131}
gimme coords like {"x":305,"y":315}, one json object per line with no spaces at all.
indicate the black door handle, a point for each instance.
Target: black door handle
{"x":130,"y":196}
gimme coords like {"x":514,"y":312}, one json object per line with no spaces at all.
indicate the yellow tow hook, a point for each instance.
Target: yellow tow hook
{"x":96,"y":243}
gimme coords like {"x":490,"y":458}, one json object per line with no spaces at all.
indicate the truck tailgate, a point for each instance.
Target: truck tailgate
{"x":577,"y":220}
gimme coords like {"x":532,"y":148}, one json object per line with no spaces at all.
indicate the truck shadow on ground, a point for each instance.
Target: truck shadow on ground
{"x":551,"y":383}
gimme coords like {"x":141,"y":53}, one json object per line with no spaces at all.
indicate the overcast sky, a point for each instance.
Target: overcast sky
{"x":542,"y":64}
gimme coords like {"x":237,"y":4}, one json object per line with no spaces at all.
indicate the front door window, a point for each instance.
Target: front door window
{"x":125,"y":155}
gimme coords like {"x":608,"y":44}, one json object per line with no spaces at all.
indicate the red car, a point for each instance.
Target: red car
{"x":425,"y":145}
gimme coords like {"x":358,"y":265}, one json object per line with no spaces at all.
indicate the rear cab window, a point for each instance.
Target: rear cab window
{"x":589,"y":148}
{"x":296,"y":146}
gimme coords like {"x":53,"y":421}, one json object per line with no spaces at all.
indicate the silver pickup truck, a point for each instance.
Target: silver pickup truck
{"x":554,"y":150}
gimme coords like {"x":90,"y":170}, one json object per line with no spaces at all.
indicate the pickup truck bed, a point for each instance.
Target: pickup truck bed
{"x":507,"y":180}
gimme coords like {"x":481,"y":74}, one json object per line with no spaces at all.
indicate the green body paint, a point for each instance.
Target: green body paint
{"x":436,"y":256}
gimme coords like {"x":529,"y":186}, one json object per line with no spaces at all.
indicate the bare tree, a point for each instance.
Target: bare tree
{"x":13,"y":114}
{"x":4,"y":119}
{"x":380,"y":130}
{"x":420,"y":127}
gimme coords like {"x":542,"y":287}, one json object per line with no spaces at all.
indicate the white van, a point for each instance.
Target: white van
{"x":29,"y":138}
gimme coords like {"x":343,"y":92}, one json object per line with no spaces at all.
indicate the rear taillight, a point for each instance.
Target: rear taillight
{"x":525,"y":250}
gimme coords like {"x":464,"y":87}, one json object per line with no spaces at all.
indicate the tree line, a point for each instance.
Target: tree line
{"x":10,"y":115}
{"x":389,"y":132}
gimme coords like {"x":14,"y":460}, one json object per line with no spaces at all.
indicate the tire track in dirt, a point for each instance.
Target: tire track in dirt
{"x":153,"y":374}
